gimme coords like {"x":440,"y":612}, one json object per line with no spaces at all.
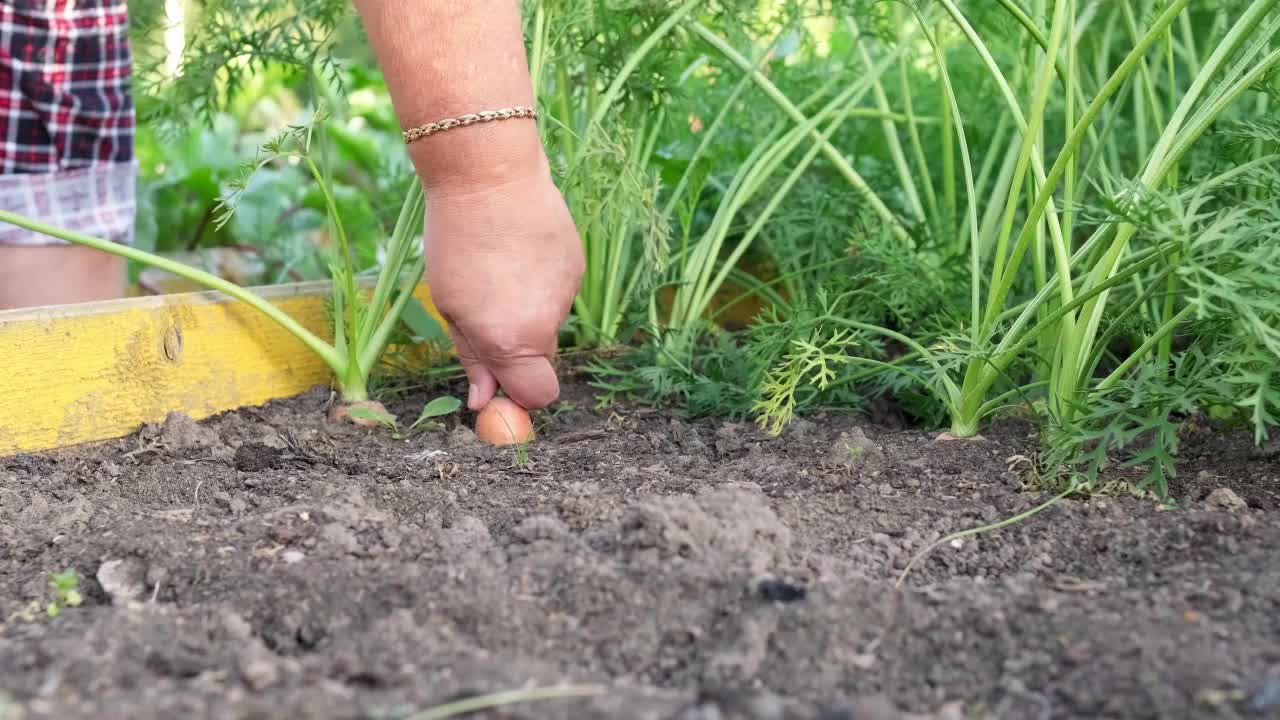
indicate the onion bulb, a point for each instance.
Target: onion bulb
{"x":368,"y":413}
{"x":504,"y":422}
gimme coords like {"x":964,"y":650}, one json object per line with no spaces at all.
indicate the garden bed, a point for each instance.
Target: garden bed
{"x":266,"y":563}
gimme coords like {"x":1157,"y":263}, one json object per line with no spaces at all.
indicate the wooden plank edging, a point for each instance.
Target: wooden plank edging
{"x":77,"y":374}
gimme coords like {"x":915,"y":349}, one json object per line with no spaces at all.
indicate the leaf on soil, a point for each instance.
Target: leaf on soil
{"x":439,"y":407}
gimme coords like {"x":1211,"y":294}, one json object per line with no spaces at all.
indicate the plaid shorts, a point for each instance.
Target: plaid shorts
{"x":67,"y":118}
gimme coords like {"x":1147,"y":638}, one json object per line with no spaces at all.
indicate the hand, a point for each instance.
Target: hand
{"x":504,"y":262}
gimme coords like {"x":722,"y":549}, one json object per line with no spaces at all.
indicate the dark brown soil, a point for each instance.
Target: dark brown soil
{"x":269,"y":564}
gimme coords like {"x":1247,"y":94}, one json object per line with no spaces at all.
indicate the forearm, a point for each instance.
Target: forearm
{"x":445,"y":58}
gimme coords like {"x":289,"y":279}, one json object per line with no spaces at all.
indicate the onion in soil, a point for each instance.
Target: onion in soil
{"x":504,"y":422}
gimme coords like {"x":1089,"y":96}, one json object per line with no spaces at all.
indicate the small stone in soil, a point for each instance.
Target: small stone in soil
{"x":1225,"y":499}
{"x":257,"y":670}
{"x":122,"y":580}
{"x":781,"y":591}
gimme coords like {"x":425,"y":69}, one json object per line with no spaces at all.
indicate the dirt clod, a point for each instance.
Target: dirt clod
{"x":257,"y":669}
{"x":180,"y":432}
{"x":1224,"y":499}
{"x":124,"y":581}
{"x":256,"y":457}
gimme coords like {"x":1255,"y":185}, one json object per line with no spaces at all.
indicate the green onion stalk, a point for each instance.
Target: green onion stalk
{"x":1074,"y":284}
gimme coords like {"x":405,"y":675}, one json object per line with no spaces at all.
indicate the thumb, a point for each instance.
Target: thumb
{"x":528,"y":380}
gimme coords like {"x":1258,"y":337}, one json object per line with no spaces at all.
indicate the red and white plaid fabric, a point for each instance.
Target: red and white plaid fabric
{"x":67,"y":118}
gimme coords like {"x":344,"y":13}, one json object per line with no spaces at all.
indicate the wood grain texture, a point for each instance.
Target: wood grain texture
{"x":85,"y":373}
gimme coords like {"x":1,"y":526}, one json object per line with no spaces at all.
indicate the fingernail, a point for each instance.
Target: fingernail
{"x":472,"y":394}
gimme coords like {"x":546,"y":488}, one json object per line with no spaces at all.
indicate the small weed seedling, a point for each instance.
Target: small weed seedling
{"x":66,"y":592}
{"x":439,"y":407}
{"x":520,"y":454}
{"x":520,"y":451}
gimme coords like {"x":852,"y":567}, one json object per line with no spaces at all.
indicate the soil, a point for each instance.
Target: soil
{"x":270,"y":563}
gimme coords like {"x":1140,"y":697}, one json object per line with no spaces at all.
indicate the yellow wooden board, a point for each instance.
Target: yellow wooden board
{"x":84,"y":373}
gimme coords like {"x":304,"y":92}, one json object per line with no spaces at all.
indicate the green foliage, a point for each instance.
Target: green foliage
{"x":1143,"y":410}
{"x":281,"y":217}
{"x":65,"y":587}
{"x":230,"y":44}
{"x":1224,"y":265}
{"x":813,"y":361}
{"x":923,"y":202}
{"x":375,"y":415}
{"x":438,"y":407}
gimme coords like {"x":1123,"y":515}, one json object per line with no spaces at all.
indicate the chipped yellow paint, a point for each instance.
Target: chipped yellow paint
{"x":85,"y":373}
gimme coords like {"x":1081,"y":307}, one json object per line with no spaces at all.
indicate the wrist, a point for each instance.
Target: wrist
{"x":480,"y":157}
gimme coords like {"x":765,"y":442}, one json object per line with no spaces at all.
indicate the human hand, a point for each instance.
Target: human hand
{"x":504,"y":262}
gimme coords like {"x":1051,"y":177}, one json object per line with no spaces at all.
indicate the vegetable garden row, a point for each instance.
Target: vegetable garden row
{"x":865,"y":280}
{"x":1064,"y":210}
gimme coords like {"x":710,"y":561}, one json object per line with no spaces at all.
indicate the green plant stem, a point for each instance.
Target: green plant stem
{"x":510,"y":697}
{"x":615,"y":88}
{"x":998,"y":401}
{"x":346,"y":332}
{"x":1143,"y":295}
{"x":692,"y":302}
{"x":403,"y":238}
{"x":1004,"y":284}
{"x":948,"y":144}
{"x":1235,"y":172}
{"x":538,"y":47}
{"x":705,"y":289}
{"x":1177,"y":140}
{"x":986,"y":529}
{"x":1069,"y":121}
{"x":917,"y":146}
{"x":374,"y":346}
{"x":781,"y":100}
{"x":1165,"y":331}
{"x":1170,"y":296}
{"x":890,"y":130}
{"x":956,"y":124}
{"x":209,"y":280}
{"x":976,"y":386}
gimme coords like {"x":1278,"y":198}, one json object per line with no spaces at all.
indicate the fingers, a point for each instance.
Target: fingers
{"x":528,"y":380}
{"x":483,"y":385}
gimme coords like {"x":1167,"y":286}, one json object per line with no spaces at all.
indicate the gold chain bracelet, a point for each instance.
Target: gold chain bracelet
{"x":483,"y":116}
